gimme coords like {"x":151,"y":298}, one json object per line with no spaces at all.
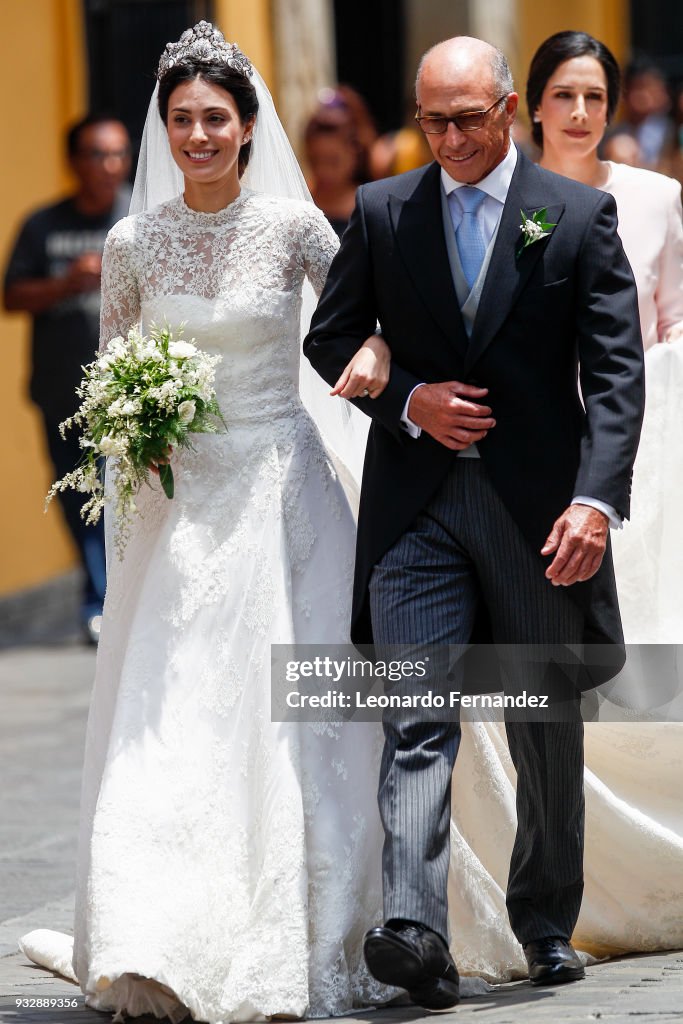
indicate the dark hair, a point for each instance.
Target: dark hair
{"x":73,"y":137}
{"x":216,"y":73}
{"x":555,"y":51}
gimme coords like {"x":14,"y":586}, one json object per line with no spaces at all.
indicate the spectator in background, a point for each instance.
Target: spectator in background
{"x":672,"y":161}
{"x":646,"y":106}
{"x":400,"y":151}
{"x":54,"y":275}
{"x":337,"y":139}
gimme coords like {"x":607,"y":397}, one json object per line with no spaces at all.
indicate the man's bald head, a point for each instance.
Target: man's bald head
{"x":465,"y":55}
{"x":464,"y":76}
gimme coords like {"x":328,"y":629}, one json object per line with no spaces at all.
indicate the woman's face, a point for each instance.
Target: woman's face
{"x":573,"y":107}
{"x":205,"y":132}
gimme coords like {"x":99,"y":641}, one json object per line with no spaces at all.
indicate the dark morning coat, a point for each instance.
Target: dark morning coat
{"x":565,"y":302}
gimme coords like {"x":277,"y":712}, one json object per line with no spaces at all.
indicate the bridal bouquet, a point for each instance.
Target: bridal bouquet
{"x":140,"y":397}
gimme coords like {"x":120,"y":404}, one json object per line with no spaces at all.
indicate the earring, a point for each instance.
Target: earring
{"x":537,"y":119}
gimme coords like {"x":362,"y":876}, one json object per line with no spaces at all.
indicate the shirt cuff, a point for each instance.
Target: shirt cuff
{"x":615,"y":520}
{"x":406,"y":423}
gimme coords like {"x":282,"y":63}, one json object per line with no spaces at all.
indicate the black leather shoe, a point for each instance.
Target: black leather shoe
{"x":413,"y":957}
{"x":552,"y":961}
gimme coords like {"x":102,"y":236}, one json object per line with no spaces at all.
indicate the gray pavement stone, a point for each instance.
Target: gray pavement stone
{"x":44,"y":695}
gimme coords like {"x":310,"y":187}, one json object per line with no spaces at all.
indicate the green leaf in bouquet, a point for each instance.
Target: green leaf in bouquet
{"x":166,"y":477}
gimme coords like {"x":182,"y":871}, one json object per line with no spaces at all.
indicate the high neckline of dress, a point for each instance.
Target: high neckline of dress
{"x":206,"y":219}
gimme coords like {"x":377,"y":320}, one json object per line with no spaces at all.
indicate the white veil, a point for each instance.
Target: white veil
{"x":272,"y":168}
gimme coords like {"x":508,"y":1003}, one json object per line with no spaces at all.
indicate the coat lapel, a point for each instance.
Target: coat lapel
{"x":507,"y":274}
{"x":418,"y":228}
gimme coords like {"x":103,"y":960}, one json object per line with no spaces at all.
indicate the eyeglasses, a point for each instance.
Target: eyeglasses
{"x":100,"y":155}
{"x":472,"y":121}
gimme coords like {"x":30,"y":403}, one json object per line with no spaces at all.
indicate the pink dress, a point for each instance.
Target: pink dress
{"x":651,"y":230}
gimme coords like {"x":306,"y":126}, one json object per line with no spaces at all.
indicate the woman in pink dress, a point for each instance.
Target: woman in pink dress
{"x":572,"y":91}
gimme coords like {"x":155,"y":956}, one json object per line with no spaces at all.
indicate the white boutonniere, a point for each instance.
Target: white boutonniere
{"x":534,"y":228}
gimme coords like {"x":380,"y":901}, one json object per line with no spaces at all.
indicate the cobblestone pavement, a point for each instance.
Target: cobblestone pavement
{"x":43,"y":705}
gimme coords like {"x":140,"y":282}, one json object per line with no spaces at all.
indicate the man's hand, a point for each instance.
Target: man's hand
{"x":84,"y":273}
{"x":449,"y":413}
{"x":579,"y":538}
{"x":36,"y":295}
{"x":164,"y":461}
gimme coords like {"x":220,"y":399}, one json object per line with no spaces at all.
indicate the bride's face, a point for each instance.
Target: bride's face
{"x":205,"y":132}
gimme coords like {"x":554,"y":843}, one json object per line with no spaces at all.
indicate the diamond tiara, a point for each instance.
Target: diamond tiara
{"x":203,"y":43}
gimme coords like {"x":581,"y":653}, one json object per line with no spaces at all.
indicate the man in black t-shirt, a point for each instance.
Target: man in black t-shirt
{"x":54,"y":274}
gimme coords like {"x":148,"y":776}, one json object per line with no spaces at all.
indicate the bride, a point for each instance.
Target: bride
{"x":228,"y":865}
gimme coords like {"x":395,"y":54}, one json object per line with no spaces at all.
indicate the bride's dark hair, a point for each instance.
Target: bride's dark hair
{"x":555,"y":51}
{"x":216,"y":73}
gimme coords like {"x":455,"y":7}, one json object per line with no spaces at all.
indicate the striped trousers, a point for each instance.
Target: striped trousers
{"x":465,"y":548}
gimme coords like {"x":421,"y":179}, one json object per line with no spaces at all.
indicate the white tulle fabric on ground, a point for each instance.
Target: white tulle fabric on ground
{"x":232,"y":860}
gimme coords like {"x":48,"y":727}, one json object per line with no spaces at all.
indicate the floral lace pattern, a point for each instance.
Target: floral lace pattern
{"x":232,"y":860}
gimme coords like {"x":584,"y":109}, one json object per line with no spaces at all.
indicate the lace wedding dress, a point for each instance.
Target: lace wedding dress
{"x":232,"y":860}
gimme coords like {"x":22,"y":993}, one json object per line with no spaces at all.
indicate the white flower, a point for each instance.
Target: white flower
{"x":181,"y":350}
{"x":117,"y":347}
{"x":132,"y":407}
{"x":532,"y":230}
{"x":186,"y":412}
{"x":112,"y":445}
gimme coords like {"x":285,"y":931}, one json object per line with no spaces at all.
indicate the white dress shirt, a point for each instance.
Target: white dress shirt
{"x":496,"y":186}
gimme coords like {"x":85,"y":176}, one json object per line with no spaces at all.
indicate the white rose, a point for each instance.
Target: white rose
{"x":181,"y":350}
{"x":186,"y":412}
{"x":110,"y":445}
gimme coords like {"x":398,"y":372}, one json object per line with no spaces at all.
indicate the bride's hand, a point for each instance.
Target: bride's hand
{"x":367,"y":374}
{"x":154,"y":466}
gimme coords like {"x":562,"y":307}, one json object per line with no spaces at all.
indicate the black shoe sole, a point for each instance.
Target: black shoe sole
{"x":436,"y":994}
{"x":561,"y":974}
{"x":390,"y":962}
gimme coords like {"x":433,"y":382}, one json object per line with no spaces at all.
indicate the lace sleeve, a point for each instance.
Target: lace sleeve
{"x":120,"y":294}
{"x":319,"y":245}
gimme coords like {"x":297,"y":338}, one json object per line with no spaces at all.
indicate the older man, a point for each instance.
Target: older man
{"x":489,"y":486}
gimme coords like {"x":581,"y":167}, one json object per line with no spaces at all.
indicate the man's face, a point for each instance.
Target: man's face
{"x":102,"y":160}
{"x":448,"y":88}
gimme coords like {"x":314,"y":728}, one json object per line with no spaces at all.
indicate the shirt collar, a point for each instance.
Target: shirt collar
{"x":496,"y":184}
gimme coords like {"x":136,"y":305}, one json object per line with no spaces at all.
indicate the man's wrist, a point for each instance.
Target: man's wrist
{"x":613,"y":517}
{"x":406,"y":423}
